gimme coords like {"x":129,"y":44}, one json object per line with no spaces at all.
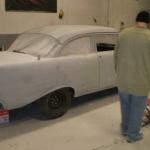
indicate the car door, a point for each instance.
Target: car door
{"x":81,"y":64}
{"x":105,"y":45}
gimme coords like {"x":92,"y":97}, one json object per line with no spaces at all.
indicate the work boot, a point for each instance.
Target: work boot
{"x":135,"y":139}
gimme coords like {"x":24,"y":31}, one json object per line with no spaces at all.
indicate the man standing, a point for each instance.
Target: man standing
{"x":132,"y":64}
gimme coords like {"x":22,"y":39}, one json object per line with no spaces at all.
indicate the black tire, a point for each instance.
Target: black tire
{"x":55,"y":104}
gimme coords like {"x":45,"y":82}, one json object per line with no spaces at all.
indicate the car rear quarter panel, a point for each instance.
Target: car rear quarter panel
{"x":24,"y":83}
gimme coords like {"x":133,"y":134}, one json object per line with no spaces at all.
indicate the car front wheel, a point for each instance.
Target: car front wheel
{"x":55,"y":104}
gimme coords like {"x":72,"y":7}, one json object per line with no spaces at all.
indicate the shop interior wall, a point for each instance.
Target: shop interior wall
{"x":90,"y":12}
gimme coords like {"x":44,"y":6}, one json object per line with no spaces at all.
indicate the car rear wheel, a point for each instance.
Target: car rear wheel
{"x":55,"y":104}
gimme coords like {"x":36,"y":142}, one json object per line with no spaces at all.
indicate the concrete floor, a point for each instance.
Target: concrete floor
{"x":92,"y":123}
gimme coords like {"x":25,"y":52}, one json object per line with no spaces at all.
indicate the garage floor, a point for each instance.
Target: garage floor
{"x":92,"y":123}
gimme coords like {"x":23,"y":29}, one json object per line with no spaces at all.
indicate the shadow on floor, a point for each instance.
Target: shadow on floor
{"x":28,"y":118}
{"x":32,"y":112}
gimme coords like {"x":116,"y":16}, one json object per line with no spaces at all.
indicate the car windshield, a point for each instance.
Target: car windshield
{"x":34,"y":44}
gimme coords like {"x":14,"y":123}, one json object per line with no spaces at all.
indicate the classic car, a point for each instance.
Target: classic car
{"x":51,"y":65}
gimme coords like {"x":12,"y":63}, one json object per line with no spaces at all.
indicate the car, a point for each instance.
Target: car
{"x":50,"y":65}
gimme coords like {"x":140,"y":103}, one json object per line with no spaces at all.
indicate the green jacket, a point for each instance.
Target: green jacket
{"x":132,"y":61}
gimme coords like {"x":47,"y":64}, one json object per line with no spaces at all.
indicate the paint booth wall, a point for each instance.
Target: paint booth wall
{"x":98,"y":12}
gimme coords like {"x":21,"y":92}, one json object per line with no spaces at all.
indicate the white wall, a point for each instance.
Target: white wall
{"x":76,"y":12}
{"x":126,"y":11}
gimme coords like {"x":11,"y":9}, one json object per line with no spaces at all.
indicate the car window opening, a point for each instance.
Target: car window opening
{"x":105,"y":47}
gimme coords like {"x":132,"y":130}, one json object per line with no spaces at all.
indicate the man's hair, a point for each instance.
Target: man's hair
{"x":143,"y":16}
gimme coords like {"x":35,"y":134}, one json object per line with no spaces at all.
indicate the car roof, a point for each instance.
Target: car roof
{"x":65,"y":32}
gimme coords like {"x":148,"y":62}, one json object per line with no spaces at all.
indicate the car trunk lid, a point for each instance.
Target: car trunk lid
{"x":14,"y":58}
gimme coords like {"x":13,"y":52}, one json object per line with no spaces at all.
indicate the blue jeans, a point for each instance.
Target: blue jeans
{"x":132,"y":110}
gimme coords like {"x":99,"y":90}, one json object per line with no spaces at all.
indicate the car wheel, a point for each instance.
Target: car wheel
{"x":55,"y":104}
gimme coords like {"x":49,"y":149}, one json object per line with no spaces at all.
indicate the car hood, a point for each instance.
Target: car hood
{"x":7,"y":58}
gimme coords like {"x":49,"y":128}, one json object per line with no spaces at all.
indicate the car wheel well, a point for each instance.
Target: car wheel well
{"x":70,"y":89}
{"x":56,"y":103}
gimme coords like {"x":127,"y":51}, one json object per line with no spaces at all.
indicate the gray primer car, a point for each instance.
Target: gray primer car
{"x":52,"y":64}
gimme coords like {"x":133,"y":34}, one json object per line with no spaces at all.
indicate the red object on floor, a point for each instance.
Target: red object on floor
{"x":148,"y":102}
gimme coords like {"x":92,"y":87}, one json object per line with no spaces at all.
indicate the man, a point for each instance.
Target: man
{"x":132,"y":64}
